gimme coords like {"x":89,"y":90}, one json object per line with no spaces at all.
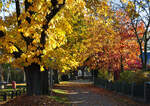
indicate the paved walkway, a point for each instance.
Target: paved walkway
{"x":83,"y":93}
{"x":83,"y":97}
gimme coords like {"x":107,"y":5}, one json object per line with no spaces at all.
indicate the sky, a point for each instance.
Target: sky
{"x":10,"y":9}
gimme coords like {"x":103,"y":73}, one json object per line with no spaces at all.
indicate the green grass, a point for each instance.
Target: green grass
{"x":6,"y":90}
{"x":60,"y":91}
{"x":65,"y":82}
{"x":59,"y":99}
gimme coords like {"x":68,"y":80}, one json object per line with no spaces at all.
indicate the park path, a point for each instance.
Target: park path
{"x":83,"y":93}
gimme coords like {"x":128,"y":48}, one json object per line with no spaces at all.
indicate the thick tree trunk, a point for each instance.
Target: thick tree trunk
{"x":37,"y":81}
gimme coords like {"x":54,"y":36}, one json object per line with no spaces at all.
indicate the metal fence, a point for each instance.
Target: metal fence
{"x":133,"y":89}
{"x":5,"y":95}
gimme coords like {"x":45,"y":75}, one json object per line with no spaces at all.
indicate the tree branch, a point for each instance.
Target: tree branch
{"x":54,"y":11}
{"x":18,"y":53}
{"x":145,"y":33}
{"x":18,"y":12}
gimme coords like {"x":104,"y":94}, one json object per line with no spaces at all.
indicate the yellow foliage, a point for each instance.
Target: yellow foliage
{"x":124,"y":1}
{"x":72,"y":36}
{"x":42,"y":68}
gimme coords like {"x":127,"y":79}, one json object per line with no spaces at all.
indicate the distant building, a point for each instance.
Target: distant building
{"x":85,"y":73}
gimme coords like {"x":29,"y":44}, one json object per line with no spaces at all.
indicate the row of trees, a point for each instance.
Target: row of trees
{"x":65,"y":34}
{"x":124,"y":41}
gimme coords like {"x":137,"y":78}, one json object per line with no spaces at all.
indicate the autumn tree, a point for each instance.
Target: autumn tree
{"x":47,"y":34}
{"x":111,"y":44}
{"x":26,"y":41}
{"x":139,"y":18}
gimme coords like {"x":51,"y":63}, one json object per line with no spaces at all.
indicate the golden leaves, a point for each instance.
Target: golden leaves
{"x":124,"y":1}
{"x":1,"y":5}
{"x":2,"y":28}
{"x":30,"y":1}
{"x":64,"y":37}
{"x":42,"y":68}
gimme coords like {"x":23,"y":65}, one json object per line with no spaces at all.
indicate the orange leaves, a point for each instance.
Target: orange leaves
{"x":78,"y":31}
{"x":111,"y":41}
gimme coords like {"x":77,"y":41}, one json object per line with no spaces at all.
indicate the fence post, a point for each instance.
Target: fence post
{"x":12,"y":94}
{"x":122,"y":87}
{"x":5,"y":96}
{"x":132,"y":90}
{"x":24,"y":90}
{"x":16,"y":93}
{"x":146,"y":92}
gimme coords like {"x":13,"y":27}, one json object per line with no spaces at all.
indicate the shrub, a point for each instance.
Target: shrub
{"x":127,"y":76}
{"x":140,"y":77}
{"x":104,"y":74}
{"x":137,"y":77}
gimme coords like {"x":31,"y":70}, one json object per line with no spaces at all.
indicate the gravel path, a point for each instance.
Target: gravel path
{"x":80,"y":94}
{"x":83,"y":97}
{"x":85,"y":94}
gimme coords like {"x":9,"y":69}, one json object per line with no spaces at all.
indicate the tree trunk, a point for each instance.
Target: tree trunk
{"x":1,"y":74}
{"x":145,"y":56}
{"x":82,"y":70}
{"x":142,"y":57}
{"x":56,"y":80}
{"x":121,"y":64}
{"x":37,"y":81}
{"x":51,"y":82}
{"x":116,"y":75}
{"x":95,"y":73}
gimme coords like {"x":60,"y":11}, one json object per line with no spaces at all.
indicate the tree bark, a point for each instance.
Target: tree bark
{"x":37,"y":81}
{"x":1,"y":74}
{"x":82,"y":70}
{"x":56,"y":80}
{"x":96,"y":73}
{"x":145,"y":55}
{"x":116,"y":75}
{"x":121,"y":64}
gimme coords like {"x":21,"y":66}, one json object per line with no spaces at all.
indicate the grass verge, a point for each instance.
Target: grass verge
{"x":59,"y":99}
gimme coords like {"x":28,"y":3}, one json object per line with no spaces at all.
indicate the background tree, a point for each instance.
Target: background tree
{"x":139,"y":17}
{"x":111,"y":45}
